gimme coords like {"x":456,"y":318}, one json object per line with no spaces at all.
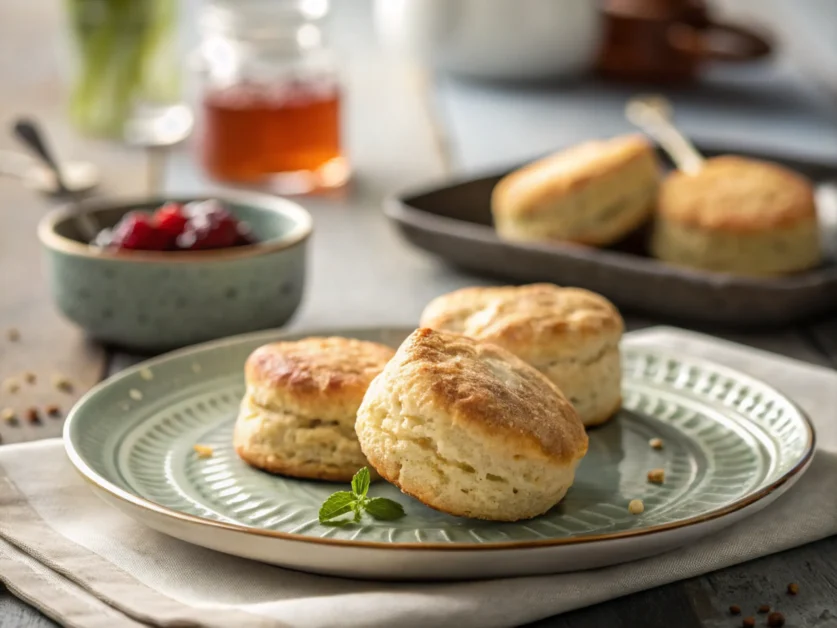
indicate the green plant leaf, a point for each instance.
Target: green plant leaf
{"x":360,"y":483}
{"x":385,"y":509}
{"x":337,"y":504}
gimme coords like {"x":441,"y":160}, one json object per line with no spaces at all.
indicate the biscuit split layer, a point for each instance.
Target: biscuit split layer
{"x":298,"y":414}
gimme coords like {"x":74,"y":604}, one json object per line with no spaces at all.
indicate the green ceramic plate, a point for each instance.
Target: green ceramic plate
{"x":730,"y":441}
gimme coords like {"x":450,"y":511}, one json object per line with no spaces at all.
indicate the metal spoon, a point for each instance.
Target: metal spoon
{"x":28,"y":132}
{"x":79,"y":176}
{"x":652,"y":114}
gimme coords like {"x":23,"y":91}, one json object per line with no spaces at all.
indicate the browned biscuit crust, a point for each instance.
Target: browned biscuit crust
{"x":735,"y":194}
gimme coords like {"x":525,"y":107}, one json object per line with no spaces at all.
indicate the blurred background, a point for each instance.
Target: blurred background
{"x":507,"y":80}
{"x":342,"y":103}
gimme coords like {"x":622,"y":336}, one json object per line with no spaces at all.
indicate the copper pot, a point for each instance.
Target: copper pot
{"x":669,"y":40}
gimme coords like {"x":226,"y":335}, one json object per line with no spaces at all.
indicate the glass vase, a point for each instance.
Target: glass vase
{"x":127,"y":82}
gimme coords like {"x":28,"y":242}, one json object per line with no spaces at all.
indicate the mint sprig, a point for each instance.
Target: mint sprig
{"x":356,"y":501}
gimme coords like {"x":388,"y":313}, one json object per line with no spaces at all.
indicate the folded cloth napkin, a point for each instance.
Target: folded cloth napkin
{"x":87,"y":565}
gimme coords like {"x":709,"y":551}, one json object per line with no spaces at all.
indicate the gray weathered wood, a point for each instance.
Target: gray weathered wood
{"x":765,"y":107}
{"x":705,"y":601}
{"x":15,"y":613}
{"x":824,"y":336}
{"x":49,"y":345}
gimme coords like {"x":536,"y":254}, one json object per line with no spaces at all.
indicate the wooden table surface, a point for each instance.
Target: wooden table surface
{"x":403,"y":128}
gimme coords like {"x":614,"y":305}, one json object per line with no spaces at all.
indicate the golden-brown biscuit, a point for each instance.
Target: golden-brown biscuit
{"x":571,"y":335}
{"x":739,"y":216}
{"x":470,"y":429}
{"x":298,"y":414}
{"x":595,"y":193}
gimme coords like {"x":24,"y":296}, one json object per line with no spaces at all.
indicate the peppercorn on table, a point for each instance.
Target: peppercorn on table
{"x":46,"y":363}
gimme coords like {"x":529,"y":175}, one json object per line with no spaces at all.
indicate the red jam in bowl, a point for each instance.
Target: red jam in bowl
{"x":195,"y":226}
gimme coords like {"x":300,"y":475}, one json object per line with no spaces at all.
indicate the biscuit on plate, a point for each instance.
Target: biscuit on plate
{"x":469,"y":429}
{"x":738,"y":216}
{"x":594,"y":193}
{"x":298,"y":415}
{"x":571,"y":335}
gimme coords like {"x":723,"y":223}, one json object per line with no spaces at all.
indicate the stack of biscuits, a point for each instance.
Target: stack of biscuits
{"x":480,"y":413}
{"x":734,"y":215}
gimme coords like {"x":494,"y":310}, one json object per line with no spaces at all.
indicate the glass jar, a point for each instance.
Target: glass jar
{"x":270,"y":96}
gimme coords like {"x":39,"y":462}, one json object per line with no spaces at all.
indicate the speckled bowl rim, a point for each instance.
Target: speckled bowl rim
{"x":98,"y":481}
{"x":301,"y":230}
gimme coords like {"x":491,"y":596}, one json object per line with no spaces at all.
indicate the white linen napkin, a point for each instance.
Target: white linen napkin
{"x":87,"y":565}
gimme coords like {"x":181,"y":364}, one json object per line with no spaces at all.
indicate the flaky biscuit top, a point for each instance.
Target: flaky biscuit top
{"x":316,"y":377}
{"x":486,"y":391}
{"x":539,"y":322}
{"x":524,"y":191}
{"x":736,"y":194}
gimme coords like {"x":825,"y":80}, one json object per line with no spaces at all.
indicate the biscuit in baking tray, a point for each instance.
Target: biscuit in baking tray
{"x":571,"y":335}
{"x":738,"y":216}
{"x":594,"y":193}
{"x":469,"y":429}
{"x":298,"y":415}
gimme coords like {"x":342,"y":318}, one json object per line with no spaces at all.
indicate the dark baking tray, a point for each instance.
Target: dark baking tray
{"x":453,"y":221}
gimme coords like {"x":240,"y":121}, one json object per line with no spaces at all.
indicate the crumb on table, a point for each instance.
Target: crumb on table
{"x":135,"y":394}
{"x":656,"y":443}
{"x":776,"y":620}
{"x":62,"y":383}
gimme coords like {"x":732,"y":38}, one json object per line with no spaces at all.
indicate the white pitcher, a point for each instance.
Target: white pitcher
{"x":496,"y":39}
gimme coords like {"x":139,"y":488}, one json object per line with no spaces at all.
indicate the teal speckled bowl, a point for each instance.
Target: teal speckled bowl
{"x":156,"y":300}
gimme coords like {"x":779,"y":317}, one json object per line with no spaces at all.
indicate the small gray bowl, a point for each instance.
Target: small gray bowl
{"x":158,"y":300}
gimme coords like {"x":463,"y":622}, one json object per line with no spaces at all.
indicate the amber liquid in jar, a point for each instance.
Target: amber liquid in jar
{"x":286,"y":136}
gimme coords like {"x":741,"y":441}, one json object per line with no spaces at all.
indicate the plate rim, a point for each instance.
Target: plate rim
{"x":101,"y":483}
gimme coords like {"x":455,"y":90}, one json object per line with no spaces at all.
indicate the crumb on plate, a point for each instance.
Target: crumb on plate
{"x":657,"y":476}
{"x":636,"y":507}
{"x":204,"y":451}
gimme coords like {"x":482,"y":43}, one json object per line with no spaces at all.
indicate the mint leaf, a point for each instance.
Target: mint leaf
{"x":360,"y":483}
{"x":383,"y":508}
{"x":356,"y":502}
{"x":338,"y":504}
